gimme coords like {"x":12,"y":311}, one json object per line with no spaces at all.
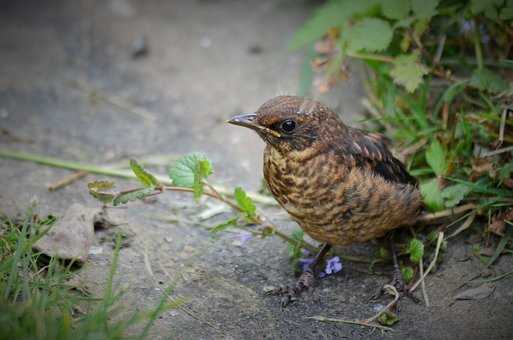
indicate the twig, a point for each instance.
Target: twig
{"x":412,"y":148}
{"x":348,"y":321}
{"x":439,"y":49}
{"x":374,"y":112}
{"x":499,"y":151}
{"x":370,"y":322}
{"x":464,"y":225}
{"x":220,"y":197}
{"x":502,"y":127}
{"x":108,"y":171}
{"x":387,"y":307}
{"x":66,"y":180}
{"x":423,"y":283}
{"x":432,"y":264}
{"x":428,"y":218}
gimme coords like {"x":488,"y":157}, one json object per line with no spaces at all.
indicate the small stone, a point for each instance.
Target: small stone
{"x":103,"y":220}
{"x":72,"y":235}
{"x":95,"y":250}
{"x":255,"y":49}
{"x":140,"y":47}
{"x":268,"y":289}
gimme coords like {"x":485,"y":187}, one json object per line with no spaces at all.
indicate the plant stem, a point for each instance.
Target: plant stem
{"x":108,"y":171}
{"x":371,"y":56}
{"x":257,"y":220}
{"x":427,"y":218}
{"x":432,"y":264}
{"x":477,"y":48}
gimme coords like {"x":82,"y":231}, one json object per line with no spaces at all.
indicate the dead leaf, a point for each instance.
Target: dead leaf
{"x":476,"y":293}
{"x":482,"y":166}
{"x":498,"y":224}
{"x":71,"y":236}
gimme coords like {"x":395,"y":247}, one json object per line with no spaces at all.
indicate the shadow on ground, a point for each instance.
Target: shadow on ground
{"x":206,"y":60}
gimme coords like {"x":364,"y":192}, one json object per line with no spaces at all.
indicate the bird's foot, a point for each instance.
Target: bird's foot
{"x":290,"y":294}
{"x":400,"y":285}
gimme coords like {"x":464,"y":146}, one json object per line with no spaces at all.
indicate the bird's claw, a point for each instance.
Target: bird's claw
{"x":290,"y":294}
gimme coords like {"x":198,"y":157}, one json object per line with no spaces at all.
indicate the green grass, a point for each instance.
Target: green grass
{"x":38,"y":302}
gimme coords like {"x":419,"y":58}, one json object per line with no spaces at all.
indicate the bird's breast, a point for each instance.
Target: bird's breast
{"x":309,"y":189}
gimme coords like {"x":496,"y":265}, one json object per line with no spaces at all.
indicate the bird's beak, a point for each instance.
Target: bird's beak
{"x":247,"y":120}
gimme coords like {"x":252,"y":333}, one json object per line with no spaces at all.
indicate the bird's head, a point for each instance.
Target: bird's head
{"x":290,"y":123}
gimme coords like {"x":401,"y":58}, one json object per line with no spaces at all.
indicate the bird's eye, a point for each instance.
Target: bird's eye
{"x":288,"y":125}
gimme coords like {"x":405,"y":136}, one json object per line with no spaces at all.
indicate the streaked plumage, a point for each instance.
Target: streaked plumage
{"x":341,"y":184}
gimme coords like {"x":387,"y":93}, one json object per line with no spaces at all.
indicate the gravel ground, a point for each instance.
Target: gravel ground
{"x":66,"y":73}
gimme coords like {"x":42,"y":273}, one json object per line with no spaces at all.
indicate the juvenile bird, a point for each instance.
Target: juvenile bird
{"x":340,"y":184}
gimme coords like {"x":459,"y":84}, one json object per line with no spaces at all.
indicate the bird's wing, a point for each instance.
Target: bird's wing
{"x":370,"y":150}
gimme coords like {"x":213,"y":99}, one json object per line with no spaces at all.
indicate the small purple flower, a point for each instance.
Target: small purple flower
{"x":333,"y":265}
{"x":467,"y":26}
{"x":305,"y":263}
{"x":243,"y":237}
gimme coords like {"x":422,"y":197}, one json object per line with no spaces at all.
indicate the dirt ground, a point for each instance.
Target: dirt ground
{"x":206,"y":61}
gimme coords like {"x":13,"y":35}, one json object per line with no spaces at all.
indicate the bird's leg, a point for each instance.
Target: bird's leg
{"x":305,"y":281}
{"x":397,"y":276}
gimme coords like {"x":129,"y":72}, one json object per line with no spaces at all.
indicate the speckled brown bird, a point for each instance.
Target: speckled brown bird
{"x":340,"y":184}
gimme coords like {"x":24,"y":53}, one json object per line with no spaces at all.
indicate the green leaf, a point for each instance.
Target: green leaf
{"x":506,"y":14}
{"x":424,"y":9}
{"x":486,"y":80}
{"x":436,"y":157}
{"x":416,"y":250}
{"x":147,"y":179}
{"x":407,"y":71}
{"x":432,"y":196}
{"x":505,"y":171}
{"x":407,"y":273}
{"x":479,"y":6}
{"x":245,"y":203}
{"x":502,"y":244}
{"x":333,"y":14}
{"x":383,"y":253}
{"x":454,"y":194}
{"x":369,"y":34}
{"x":388,"y":318}
{"x":224,"y":225}
{"x":99,"y":190}
{"x":202,"y":170}
{"x":190,"y":171}
{"x":396,"y":9}
{"x":133,"y":195}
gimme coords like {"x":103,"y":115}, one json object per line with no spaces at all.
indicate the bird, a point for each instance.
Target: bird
{"x":341,"y":184}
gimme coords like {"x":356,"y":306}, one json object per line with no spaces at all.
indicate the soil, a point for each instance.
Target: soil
{"x":61,"y":63}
